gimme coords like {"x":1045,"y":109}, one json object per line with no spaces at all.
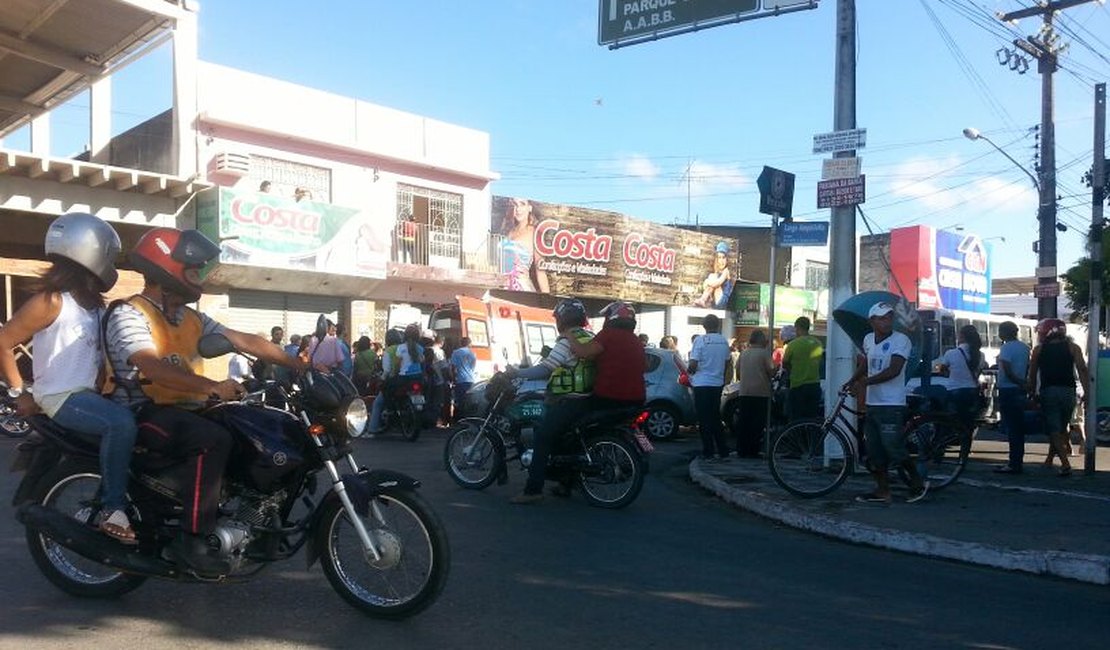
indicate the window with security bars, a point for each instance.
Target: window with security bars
{"x":438,"y":218}
{"x":285,"y":176}
{"x":817,"y":276}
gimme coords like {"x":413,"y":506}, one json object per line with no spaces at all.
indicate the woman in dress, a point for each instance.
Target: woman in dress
{"x":519,"y":263}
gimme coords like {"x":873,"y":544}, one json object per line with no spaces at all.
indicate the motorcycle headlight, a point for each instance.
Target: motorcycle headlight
{"x":356,"y":416}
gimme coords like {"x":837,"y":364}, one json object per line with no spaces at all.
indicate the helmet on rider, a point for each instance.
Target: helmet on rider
{"x":394,"y":337}
{"x":173,"y":259}
{"x":620,"y":315}
{"x":570,"y":312}
{"x":87,"y":241}
{"x":1051,"y":328}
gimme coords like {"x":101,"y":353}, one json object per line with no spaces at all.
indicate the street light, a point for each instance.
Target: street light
{"x":1046,"y":244}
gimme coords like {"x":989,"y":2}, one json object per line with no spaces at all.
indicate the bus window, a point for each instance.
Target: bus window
{"x":539,"y":336}
{"x":962,"y":322}
{"x":981,"y":327}
{"x":947,"y":334}
{"x":476,"y":330}
{"x":994,"y":341}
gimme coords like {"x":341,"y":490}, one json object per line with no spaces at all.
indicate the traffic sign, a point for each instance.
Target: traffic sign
{"x":776,"y":192}
{"x":840,"y":168}
{"x":1046,"y":290}
{"x":620,"y":20}
{"x":804,"y":233}
{"x":840,"y":192}
{"x":838,"y":141}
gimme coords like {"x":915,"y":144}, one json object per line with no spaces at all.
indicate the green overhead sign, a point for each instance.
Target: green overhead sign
{"x":620,"y":20}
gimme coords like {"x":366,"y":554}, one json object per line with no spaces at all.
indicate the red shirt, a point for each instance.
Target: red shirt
{"x":620,"y":366}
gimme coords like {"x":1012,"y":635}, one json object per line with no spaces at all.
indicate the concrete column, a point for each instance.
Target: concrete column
{"x":184,"y":142}
{"x":40,"y":134}
{"x":100,"y":120}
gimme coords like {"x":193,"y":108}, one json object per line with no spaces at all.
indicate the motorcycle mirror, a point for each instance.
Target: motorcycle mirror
{"x":321,"y":327}
{"x":211,"y":346}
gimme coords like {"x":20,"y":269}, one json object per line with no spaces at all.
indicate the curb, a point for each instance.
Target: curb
{"x":1093,"y":569}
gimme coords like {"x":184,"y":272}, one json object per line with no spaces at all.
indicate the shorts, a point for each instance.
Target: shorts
{"x":1058,"y":405}
{"x":884,"y":431}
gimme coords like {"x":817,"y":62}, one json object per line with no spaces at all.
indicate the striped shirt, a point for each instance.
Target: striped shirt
{"x":127,"y":332}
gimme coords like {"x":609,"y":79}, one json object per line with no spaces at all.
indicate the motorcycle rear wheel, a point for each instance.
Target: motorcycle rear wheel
{"x":616,"y":475}
{"x":472,"y":456}
{"x":67,"y":488}
{"x":416,"y":557}
{"x":409,"y":422}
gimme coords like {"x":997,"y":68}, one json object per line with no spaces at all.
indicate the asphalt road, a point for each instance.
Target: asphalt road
{"x":677,"y":569}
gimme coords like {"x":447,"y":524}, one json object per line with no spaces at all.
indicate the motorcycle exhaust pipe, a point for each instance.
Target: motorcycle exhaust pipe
{"x":90,"y":543}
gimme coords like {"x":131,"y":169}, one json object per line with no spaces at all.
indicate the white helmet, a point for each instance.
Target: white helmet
{"x":88,"y":241}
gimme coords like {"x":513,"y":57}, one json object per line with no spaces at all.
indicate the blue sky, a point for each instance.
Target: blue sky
{"x":574,"y":122}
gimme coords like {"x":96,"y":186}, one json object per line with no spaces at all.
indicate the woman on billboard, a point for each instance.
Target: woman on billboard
{"x":519,"y":263}
{"x":717,"y":286}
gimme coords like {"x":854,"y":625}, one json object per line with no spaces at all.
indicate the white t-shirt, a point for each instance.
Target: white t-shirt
{"x":958,"y":374}
{"x":711,"y":352}
{"x":879,"y":355}
{"x":238,"y":368}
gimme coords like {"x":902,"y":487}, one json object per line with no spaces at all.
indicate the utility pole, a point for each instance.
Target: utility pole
{"x":840,"y":351}
{"x":1094,"y":301}
{"x":1044,"y":48}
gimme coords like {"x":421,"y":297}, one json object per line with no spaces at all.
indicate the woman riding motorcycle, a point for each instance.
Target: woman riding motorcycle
{"x":63,"y":323}
{"x":402,"y":360}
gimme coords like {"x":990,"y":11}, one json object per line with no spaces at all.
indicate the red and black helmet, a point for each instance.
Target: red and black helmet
{"x":173,"y":259}
{"x":619,"y":313}
{"x":1051,"y":328}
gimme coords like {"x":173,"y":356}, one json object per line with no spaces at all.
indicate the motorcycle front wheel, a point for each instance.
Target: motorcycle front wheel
{"x":614,"y":475}
{"x":415,"y":556}
{"x":472,"y":457}
{"x":68,"y":489}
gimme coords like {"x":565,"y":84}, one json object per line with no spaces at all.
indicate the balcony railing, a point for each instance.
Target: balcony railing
{"x":420,"y":244}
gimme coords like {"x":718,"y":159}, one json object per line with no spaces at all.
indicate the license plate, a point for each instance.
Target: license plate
{"x":417,"y":400}
{"x":643,"y":442}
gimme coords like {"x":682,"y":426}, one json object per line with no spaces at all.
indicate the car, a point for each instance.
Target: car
{"x":669,"y":403}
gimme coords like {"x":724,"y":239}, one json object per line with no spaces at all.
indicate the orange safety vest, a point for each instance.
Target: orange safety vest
{"x":176,"y":344}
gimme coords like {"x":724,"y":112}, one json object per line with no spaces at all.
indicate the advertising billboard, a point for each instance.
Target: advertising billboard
{"x":260,"y":229}
{"x":567,"y":250}
{"x":751,"y":302}
{"x":941,"y":268}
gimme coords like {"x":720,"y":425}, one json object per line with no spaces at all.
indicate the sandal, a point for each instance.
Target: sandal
{"x":118,"y":527}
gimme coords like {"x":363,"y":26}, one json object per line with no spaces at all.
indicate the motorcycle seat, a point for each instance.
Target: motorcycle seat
{"x":81,"y":442}
{"x":608,"y":416}
{"x":537,"y":395}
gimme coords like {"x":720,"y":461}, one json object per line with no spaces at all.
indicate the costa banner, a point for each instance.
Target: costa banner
{"x":567,"y":250}
{"x":941,"y":268}
{"x":261,"y":229}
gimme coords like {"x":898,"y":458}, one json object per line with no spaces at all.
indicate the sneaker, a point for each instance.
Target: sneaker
{"x":871,"y":497}
{"x":919,"y":494}
{"x":525,"y":499}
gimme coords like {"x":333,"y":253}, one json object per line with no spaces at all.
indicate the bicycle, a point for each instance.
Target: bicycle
{"x":811,"y":458}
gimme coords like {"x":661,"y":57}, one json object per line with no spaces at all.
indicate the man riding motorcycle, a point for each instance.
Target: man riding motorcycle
{"x":620,"y":359}
{"x":570,"y":381}
{"x":151,"y":342}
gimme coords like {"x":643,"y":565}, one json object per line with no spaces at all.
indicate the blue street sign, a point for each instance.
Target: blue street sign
{"x":804,"y":233}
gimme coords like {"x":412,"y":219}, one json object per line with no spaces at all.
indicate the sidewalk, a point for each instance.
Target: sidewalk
{"x":1035,"y":522}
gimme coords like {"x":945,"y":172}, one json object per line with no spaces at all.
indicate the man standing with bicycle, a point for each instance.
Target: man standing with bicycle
{"x":882,"y":369}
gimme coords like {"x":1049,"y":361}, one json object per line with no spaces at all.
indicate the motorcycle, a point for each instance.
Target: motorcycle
{"x":604,"y":454}
{"x":403,"y":411}
{"x":381,"y":546}
{"x":11,"y":424}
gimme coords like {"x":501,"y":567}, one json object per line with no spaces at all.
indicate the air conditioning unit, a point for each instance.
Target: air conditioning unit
{"x":233,"y":164}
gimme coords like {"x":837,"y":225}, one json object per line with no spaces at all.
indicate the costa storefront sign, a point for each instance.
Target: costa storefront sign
{"x":262,"y":229}
{"x":570,"y":250}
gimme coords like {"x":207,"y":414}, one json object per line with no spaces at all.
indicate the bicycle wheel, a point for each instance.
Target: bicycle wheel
{"x":942,"y":446}
{"x":808,"y":460}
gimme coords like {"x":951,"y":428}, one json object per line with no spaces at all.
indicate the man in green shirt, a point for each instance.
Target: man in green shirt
{"x":802,"y":359}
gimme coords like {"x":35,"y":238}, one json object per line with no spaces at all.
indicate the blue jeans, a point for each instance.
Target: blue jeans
{"x":1011,"y":409}
{"x":89,"y":413}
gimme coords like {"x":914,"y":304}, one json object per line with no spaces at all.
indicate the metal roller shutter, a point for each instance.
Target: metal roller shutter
{"x":256,"y":312}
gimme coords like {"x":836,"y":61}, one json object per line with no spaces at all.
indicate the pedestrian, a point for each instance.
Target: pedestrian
{"x":463,"y":363}
{"x":786,"y":335}
{"x":294,"y":345}
{"x":1053,"y":367}
{"x":366,"y":362}
{"x":346,"y":361}
{"x":962,"y":365}
{"x":327,"y":355}
{"x":732,"y":366}
{"x":755,"y":370}
{"x":239,"y":368}
{"x":264,"y":370}
{"x":1013,"y":367}
{"x":670,"y":343}
{"x":304,"y":348}
{"x":802,"y":360}
{"x":882,"y":369}
{"x":645,"y":341}
{"x":707,"y":375}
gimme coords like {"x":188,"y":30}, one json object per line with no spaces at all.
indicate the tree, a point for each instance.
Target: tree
{"x":1077,"y":281}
